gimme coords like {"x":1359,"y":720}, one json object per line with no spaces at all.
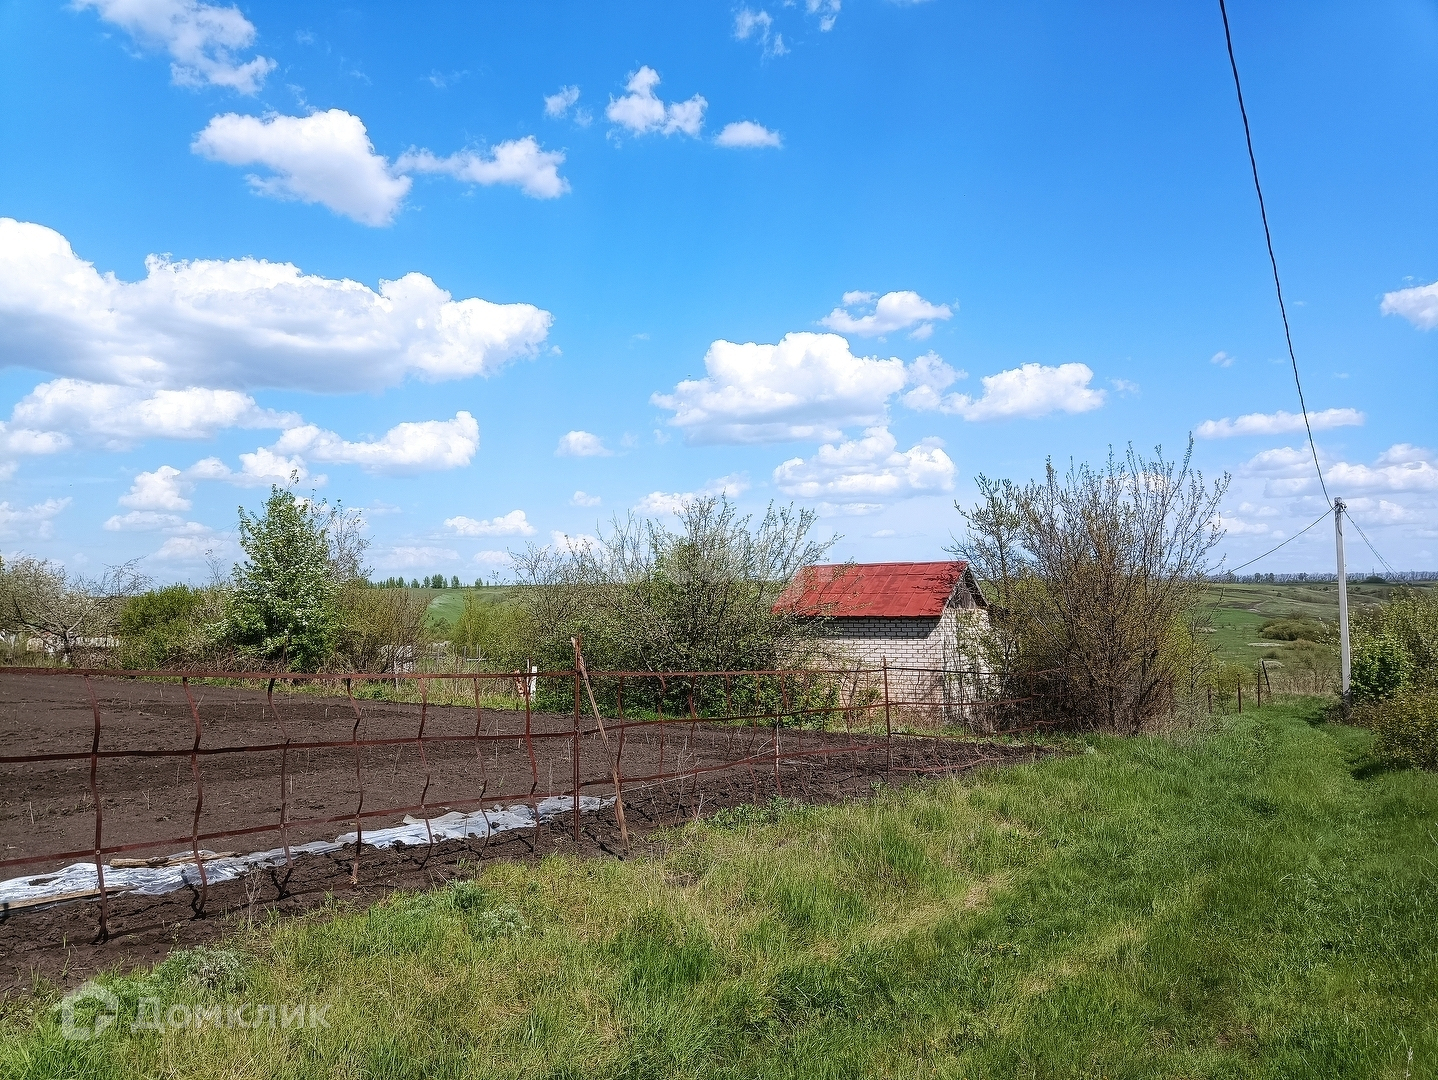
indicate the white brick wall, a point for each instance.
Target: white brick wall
{"x":916,"y":641}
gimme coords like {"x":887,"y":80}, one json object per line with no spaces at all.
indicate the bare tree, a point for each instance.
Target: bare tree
{"x":344,"y":531}
{"x":378,"y":629}
{"x":40,"y":598}
{"x":1092,"y":575}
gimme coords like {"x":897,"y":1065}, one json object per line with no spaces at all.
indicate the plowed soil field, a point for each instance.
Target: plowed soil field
{"x":249,"y":760}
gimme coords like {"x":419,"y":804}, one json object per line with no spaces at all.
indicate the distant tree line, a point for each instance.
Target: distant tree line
{"x":1390,"y":577}
{"x":433,"y":581}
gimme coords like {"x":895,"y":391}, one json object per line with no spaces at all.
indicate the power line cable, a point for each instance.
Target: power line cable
{"x":1290,"y":540}
{"x":1386,"y":564}
{"x":1273,"y":259}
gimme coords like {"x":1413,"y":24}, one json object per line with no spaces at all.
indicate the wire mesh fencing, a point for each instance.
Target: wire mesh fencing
{"x":110,"y":767}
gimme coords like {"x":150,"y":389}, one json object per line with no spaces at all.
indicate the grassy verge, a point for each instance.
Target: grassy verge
{"x":1257,"y":901}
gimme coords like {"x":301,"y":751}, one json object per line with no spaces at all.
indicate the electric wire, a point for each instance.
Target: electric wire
{"x":1386,"y":564}
{"x":1290,"y":540}
{"x":1273,"y":259}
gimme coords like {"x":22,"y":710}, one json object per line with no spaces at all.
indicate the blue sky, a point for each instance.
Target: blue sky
{"x":849,"y":253}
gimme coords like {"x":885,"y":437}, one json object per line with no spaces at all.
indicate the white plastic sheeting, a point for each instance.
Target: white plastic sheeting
{"x":158,"y":880}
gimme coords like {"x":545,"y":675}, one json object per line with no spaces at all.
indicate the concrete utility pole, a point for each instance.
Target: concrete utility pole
{"x":1346,"y":659}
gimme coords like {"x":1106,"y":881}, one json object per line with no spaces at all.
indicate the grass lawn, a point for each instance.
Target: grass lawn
{"x":1258,"y":901}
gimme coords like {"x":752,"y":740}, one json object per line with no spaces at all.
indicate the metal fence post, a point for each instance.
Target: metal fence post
{"x":359,"y":784}
{"x":199,"y":798}
{"x":99,"y":813}
{"x":284,"y":780}
{"x":576,"y":759}
{"x":424,"y":761}
{"x":888,"y":722}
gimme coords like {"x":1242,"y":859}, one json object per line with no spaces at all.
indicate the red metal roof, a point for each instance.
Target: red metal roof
{"x":898,"y":589}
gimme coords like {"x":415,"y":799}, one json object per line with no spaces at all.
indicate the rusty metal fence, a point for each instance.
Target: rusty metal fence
{"x":56,"y":721}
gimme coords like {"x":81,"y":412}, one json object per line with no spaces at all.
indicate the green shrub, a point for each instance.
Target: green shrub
{"x":1293,"y":629}
{"x":492,"y":630}
{"x":1381,"y":668}
{"x":1396,"y":646}
{"x":167,"y":627}
{"x":1407,"y":728}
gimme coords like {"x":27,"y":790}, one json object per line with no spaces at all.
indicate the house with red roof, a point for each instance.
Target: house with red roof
{"x":912,"y":614}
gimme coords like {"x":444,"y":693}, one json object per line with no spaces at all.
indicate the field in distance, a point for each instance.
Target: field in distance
{"x":1284,"y":616}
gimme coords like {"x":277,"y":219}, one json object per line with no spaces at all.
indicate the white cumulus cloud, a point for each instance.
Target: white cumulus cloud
{"x":202,"y":39}
{"x":870,"y":466}
{"x":640,"y":111}
{"x":760,"y":26}
{"x":143,"y":521}
{"x":34,"y":521}
{"x":1030,"y":391}
{"x":185,"y":541}
{"x":418,"y":557}
{"x":581,"y":444}
{"x":242,"y":323}
{"x":17,"y":442}
{"x":657,"y":503}
{"x":561,"y":101}
{"x":892,"y":312}
{"x":806,"y":386}
{"x":20,"y":440}
{"x":1395,"y":477}
{"x":1234,"y":525}
{"x":168,"y":488}
{"x":1401,"y":468}
{"x":572,"y":541}
{"x":513,"y":523}
{"x":406,"y":448}
{"x":1419,"y":305}
{"x":1277,"y":423}
{"x":326,"y":158}
{"x":517,"y":163}
{"x":1404,"y":454}
{"x":194,"y":548}
{"x":581,"y":498}
{"x":747,"y":135}
{"x":827,"y":10}
{"x":119,"y":416}
{"x":929,"y":376}
{"x":164,"y":489}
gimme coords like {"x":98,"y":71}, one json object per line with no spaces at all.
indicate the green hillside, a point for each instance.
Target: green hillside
{"x":446,"y":604}
{"x":1302,"y":619}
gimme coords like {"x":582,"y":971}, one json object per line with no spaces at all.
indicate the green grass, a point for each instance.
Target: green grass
{"x":1258,"y":901}
{"x":445,"y":605}
{"x":1240,"y":610}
